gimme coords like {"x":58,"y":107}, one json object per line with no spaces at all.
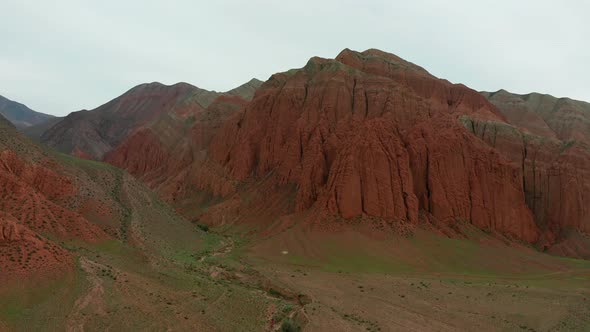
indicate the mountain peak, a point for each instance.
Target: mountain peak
{"x":360,"y":60}
{"x":255,"y":81}
{"x":159,"y":86}
{"x":247,"y":89}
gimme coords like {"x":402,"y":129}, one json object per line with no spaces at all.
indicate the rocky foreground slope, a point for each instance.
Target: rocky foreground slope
{"x":47,"y":198}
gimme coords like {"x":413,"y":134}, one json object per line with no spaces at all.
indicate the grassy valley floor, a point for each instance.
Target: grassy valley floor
{"x":225,"y":280}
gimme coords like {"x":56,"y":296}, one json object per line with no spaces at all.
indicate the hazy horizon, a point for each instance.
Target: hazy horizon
{"x":64,"y":56}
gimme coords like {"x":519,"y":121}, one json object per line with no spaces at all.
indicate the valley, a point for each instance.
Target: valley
{"x":316,"y":280}
{"x":359,"y":193}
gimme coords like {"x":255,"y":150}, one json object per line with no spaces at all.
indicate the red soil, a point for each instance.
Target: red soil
{"x":31,"y":192}
{"x":25,"y":254}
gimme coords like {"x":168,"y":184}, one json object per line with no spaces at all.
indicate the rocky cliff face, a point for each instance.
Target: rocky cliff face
{"x":549,"y":138}
{"x":369,"y":134}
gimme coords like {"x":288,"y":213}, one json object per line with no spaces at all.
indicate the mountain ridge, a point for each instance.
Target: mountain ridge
{"x":20,"y":115}
{"x":93,"y":133}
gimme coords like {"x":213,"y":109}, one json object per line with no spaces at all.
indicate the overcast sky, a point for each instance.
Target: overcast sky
{"x":65,"y":55}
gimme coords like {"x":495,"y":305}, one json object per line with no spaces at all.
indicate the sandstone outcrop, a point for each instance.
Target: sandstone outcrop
{"x":371,"y":134}
{"x":549,"y":138}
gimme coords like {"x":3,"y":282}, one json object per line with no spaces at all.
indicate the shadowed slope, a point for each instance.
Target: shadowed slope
{"x":20,"y":115}
{"x":92,"y":134}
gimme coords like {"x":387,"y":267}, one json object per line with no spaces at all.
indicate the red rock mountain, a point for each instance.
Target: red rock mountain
{"x":364,"y":135}
{"x":92,"y":134}
{"x":369,"y":136}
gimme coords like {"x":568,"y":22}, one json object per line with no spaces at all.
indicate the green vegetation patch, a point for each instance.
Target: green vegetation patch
{"x":42,"y":305}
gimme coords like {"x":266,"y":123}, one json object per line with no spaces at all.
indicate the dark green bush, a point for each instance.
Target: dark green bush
{"x":204,"y":228}
{"x":290,"y":326}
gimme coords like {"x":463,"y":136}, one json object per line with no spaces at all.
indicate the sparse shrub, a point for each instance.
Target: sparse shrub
{"x":275,"y":292}
{"x":289,"y":325}
{"x":303,"y":299}
{"x":203,"y":227}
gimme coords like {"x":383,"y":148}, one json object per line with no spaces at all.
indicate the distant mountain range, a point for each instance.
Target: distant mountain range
{"x":92,"y":134}
{"x":20,"y":115}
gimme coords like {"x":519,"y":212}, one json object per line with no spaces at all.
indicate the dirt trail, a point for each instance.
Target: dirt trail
{"x":92,"y":300}
{"x":133,"y":232}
